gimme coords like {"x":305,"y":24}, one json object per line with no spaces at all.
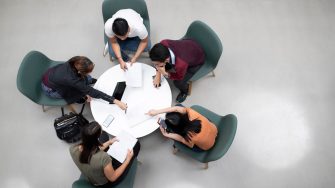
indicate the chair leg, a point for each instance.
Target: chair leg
{"x":206,"y":166}
{"x":43,"y":108}
{"x":189,"y":88}
{"x":213,"y":74}
{"x":104,"y":53}
{"x":175,"y":150}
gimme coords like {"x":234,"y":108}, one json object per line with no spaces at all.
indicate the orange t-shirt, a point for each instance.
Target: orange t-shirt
{"x":205,"y":139}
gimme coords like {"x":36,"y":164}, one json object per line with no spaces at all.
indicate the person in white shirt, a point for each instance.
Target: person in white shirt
{"x":126,"y":31}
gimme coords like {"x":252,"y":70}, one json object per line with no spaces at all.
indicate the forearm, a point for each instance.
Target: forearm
{"x":119,"y":171}
{"x":179,"y":109}
{"x":143,"y":44}
{"x":164,"y":110}
{"x":116,"y":49}
{"x":158,"y":75}
{"x":105,"y":145}
{"x":179,"y":138}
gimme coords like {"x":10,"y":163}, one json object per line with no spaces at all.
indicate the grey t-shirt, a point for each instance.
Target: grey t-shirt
{"x":94,"y":171}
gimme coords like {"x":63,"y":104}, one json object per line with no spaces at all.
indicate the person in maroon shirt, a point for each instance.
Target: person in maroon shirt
{"x":177,"y":60}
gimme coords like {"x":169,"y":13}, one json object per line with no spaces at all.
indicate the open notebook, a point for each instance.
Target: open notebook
{"x":134,"y":75}
{"x":118,"y":150}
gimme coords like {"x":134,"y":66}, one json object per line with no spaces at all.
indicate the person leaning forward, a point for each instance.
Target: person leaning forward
{"x":177,"y":60}
{"x":126,"y":31}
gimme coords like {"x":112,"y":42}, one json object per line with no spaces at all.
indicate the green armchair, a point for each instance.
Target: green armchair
{"x":29,"y":78}
{"x":210,"y":43}
{"x":127,"y":182}
{"x":226,"y":132}
{"x":110,"y":7}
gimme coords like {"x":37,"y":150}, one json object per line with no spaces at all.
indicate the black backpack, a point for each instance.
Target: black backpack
{"x":68,"y":126}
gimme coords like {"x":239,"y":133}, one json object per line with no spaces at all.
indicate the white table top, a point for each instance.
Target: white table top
{"x":139,"y":100}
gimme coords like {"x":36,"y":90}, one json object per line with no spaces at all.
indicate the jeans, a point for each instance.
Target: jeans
{"x":182,"y":85}
{"x":54,"y":94}
{"x":50,"y":92}
{"x":130,"y":44}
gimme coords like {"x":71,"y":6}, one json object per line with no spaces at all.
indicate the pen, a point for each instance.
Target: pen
{"x":125,"y":111}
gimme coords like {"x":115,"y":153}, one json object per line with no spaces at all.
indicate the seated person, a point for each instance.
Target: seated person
{"x":92,"y":160}
{"x":126,"y":31}
{"x":188,"y":127}
{"x":71,"y":81}
{"x":177,"y":60}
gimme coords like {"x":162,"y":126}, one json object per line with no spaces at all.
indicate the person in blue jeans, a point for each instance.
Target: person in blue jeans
{"x":72,"y":82}
{"x":126,"y":32}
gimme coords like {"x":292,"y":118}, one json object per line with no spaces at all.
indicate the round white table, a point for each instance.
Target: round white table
{"x":139,"y":100}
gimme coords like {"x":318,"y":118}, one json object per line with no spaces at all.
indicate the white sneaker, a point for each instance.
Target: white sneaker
{"x":105,"y":50}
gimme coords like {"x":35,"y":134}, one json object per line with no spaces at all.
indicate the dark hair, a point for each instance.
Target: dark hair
{"x":159,"y":53}
{"x":120,"y":27}
{"x":90,"y":142}
{"x":181,"y":124}
{"x":81,"y":64}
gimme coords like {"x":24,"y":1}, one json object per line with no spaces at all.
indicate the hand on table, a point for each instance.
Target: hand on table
{"x":151,"y":113}
{"x":123,"y":66}
{"x":156,"y":81}
{"x":120,"y":104}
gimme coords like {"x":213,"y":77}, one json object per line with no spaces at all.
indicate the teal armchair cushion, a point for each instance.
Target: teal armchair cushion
{"x":29,"y":78}
{"x":210,"y":43}
{"x":226,"y":125}
{"x":127,"y":182}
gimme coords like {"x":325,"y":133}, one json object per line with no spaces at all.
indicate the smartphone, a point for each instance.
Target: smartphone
{"x":162,"y":123}
{"x":109,"y":119}
{"x":153,"y":77}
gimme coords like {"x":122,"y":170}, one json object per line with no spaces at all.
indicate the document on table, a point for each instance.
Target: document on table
{"x":118,"y":150}
{"x":134,"y":75}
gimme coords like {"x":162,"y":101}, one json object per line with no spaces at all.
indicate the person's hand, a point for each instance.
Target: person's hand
{"x":156,"y":81}
{"x":111,"y":141}
{"x":130,"y":154}
{"x":123,"y":66}
{"x":161,"y":69}
{"x":120,"y":104}
{"x":151,"y":113}
{"x":88,"y":98}
{"x":163,"y":131}
{"x":132,"y":61}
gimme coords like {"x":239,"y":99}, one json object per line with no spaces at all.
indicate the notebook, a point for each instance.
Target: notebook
{"x":134,"y":75}
{"x":119,"y":90}
{"x":119,"y":149}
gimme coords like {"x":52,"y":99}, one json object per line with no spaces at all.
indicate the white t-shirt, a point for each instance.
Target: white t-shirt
{"x":135,"y":22}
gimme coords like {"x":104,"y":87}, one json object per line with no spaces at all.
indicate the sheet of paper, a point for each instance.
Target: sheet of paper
{"x":118,"y":150}
{"x":134,"y":75}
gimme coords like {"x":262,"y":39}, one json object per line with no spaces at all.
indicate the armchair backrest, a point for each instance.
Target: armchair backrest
{"x":208,"y":40}
{"x":28,"y":80}
{"x":226,"y":125}
{"x":110,"y":7}
{"x":226,"y":134}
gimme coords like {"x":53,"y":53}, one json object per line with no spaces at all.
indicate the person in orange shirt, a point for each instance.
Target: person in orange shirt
{"x":187,"y":126}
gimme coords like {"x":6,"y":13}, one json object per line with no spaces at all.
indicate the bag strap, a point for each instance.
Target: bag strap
{"x":82,"y":108}
{"x":81,"y":111}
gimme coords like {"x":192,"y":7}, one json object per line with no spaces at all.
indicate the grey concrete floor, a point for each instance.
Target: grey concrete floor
{"x":276,"y":75}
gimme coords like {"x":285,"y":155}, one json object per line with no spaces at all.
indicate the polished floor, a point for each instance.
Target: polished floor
{"x":276,"y":75}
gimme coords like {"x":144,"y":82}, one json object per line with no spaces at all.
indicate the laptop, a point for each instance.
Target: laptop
{"x":119,"y":90}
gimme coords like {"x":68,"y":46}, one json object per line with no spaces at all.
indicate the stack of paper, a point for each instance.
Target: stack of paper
{"x":134,"y":75}
{"x":118,"y":150}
